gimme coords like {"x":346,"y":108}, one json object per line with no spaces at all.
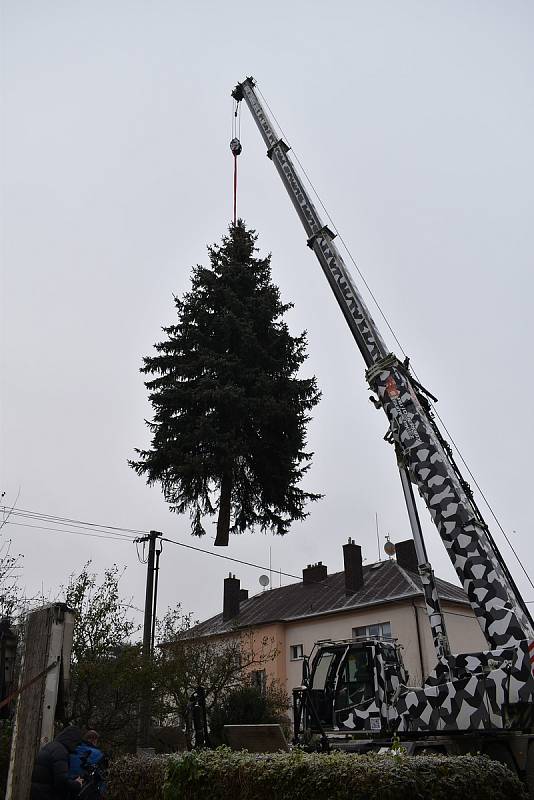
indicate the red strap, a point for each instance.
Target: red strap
{"x":235,"y":189}
{"x":27,"y":685}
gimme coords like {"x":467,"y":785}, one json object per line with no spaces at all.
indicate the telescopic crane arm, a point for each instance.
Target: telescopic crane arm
{"x":424,"y":457}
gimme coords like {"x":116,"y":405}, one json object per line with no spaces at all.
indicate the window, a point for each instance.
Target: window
{"x":322,"y":669}
{"x":381,"y":630}
{"x":355,"y":681}
{"x":297,"y":651}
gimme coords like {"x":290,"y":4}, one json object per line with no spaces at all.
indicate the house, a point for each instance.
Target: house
{"x":380,"y":599}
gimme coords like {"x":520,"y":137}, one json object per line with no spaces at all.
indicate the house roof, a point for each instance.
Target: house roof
{"x":384,"y":582}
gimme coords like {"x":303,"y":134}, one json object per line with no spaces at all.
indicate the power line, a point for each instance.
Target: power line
{"x":92,"y":534}
{"x":112,"y":532}
{"x":98,"y":532}
{"x":48,"y":520}
{"x":4,"y":521}
{"x":67,"y":520}
{"x":229,"y":558}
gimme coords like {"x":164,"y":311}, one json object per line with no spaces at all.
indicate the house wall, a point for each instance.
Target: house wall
{"x":266,"y":639}
{"x":339,"y":626}
{"x":413,"y":634}
{"x":465,"y":634}
{"x":274,"y":636}
{"x":409,"y":625}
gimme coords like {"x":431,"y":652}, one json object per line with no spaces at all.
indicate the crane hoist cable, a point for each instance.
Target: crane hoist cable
{"x":235,"y":147}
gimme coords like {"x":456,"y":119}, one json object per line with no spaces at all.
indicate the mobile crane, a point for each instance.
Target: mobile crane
{"x":355,"y":694}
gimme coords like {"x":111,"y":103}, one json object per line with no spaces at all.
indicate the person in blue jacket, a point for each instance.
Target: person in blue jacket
{"x":85,"y":756}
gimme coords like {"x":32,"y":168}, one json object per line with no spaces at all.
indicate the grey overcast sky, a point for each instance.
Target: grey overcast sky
{"x":415,"y":121}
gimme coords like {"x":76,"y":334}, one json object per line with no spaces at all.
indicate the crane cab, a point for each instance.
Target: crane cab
{"x":349,"y":686}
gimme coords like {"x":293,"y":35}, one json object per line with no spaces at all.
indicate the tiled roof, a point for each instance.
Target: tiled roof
{"x":384,"y":582}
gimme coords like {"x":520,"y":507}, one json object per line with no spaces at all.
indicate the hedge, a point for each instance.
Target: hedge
{"x":226,"y":775}
{"x":137,"y":778}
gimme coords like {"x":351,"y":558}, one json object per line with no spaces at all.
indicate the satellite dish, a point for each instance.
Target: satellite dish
{"x":264,"y":580}
{"x":389,"y":547}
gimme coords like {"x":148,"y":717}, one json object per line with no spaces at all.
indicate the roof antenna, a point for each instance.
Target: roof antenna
{"x":378,"y":536}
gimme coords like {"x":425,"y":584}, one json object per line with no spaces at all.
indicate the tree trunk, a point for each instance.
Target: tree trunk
{"x":225,"y":505}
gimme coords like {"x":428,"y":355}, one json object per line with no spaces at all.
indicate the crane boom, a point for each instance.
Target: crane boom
{"x":421,"y":451}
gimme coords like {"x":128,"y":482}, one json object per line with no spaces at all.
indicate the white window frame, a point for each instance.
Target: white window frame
{"x":367,"y":634}
{"x":292,"y":649}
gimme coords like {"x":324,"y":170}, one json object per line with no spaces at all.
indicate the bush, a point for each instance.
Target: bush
{"x":137,"y":778}
{"x":222,"y":774}
{"x":246,"y":705}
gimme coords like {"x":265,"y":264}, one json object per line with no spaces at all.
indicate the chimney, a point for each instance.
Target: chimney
{"x":243,"y":594}
{"x":352,"y":561}
{"x":314,"y":573}
{"x":406,"y":555}
{"x":231,"y":597}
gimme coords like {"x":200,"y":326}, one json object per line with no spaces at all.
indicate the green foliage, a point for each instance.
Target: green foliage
{"x":336,"y":776}
{"x":136,"y":778}
{"x":230,"y":415}
{"x":222,"y":774}
{"x":219,"y":666}
{"x":108,"y":676}
{"x":102,"y":622}
{"x":246,"y":705}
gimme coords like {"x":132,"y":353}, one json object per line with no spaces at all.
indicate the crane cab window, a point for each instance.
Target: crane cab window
{"x":355,"y":681}
{"x":322,"y":668}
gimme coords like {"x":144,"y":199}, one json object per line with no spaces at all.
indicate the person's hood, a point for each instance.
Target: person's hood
{"x":70,"y":737}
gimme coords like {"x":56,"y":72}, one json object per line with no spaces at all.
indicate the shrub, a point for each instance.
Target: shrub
{"x":137,"y":778}
{"x":246,"y":705}
{"x":222,"y":774}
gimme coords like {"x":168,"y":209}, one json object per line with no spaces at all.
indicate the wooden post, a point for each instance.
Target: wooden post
{"x":43,"y":678}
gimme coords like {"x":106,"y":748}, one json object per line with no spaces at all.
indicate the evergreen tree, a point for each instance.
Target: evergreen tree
{"x":230,"y":415}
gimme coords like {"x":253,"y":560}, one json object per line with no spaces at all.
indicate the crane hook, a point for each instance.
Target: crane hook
{"x":235,"y":147}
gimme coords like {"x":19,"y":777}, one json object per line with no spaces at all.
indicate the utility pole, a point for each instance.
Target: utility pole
{"x":148,"y":633}
{"x":43,"y":683}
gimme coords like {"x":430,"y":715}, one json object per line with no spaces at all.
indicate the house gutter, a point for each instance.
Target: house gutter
{"x":419,"y":643}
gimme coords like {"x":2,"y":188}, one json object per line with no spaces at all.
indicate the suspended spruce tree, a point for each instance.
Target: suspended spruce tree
{"x":230,"y":413}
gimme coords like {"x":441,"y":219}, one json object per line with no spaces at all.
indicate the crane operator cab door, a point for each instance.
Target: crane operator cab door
{"x":357,"y":702}
{"x":322,"y":685}
{"x":344,"y":688}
